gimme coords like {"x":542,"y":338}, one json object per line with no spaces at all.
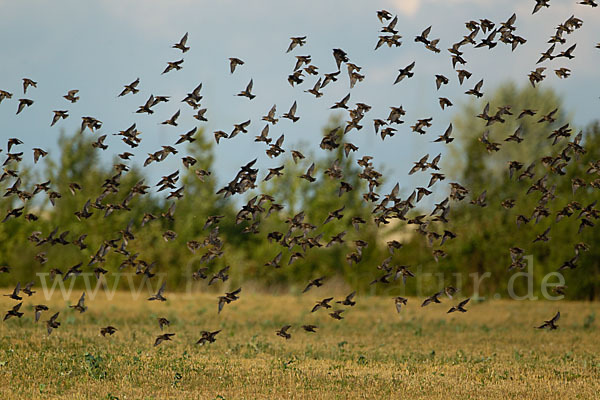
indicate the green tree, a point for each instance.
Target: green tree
{"x":486,"y":234}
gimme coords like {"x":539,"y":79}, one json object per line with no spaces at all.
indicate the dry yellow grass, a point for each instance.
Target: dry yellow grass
{"x":492,"y":351}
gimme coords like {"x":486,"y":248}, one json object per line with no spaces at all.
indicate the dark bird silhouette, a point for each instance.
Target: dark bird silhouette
{"x":248,"y":91}
{"x":537,"y":76}
{"x":159,"y":294}
{"x":446,"y":136}
{"x":131,"y":88}
{"x":221,"y":275}
{"x":569,"y":264}
{"x":322,"y":304}
{"x":315,"y":282}
{"x":459,"y":307}
{"x":403,"y":272}
{"x":27,"y":290}
{"x":291,"y":114}
{"x":228,"y":298}
{"x":440,"y":80}
{"x":330,"y":77}
{"x":315,"y":89}
{"x":72,"y":96}
{"x":423,"y":36}
{"x":480,"y":200}
{"x":241,"y":127}
{"x":52,"y":323}
{"x":337,"y":314}
{"x":568,"y":53}
{"x":563,"y":73}
{"x":547,"y":55}
{"x":539,"y":4}
{"x":207,"y":337}
{"x":58,"y":114}
{"x":181,"y":45}
{"x":173,"y":65}
{"x":80,"y":306}
{"x":444,"y":102}
{"x":233,"y":63}
{"x":109,"y":330}
{"x":548,"y":117}
{"x":5,"y":95}
{"x":476,"y":91}
{"x":462,"y":75}
{"x":163,"y":337}
{"x":186,"y":137}
{"x":275,"y":263}
{"x":405,"y":72}
{"x":15,"y":294}
{"x":73,"y":271}
{"x":162,"y":322}
{"x":551,"y":323}
{"x":39,"y":308}
{"x":270,"y":117}
{"x":147,"y":107}
{"x":296,"y":41}
{"x":283,"y":332}
{"x":432,"y":299}
{"x":173,"y":120}
{"x":348,"y":301}
{"x":390,"y":27}
{"x":99,"y":144}
{"x":340,"y":57}
{"x":384,"y":15}
{"x":399,"y":302}
{"x":309,"y":173}
{"x":14,"y":312}
{"x":22,"y":104}
{"x":543,"y":237}
{"x":27,"y":83}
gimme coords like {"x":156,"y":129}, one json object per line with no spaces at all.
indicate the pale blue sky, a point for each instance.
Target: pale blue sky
{"x":97,"y":47}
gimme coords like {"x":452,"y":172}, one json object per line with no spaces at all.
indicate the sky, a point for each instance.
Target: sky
{"x":98,"y":47}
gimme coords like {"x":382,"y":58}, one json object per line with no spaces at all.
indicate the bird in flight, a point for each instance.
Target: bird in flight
{"x":551,"y":323}
{"x":181,"y":45}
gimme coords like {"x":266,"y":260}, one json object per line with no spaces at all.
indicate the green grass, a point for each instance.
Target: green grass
{"x":492,"y":351}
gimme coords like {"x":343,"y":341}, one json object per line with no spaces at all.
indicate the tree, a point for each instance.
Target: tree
{"x":486,"y":234}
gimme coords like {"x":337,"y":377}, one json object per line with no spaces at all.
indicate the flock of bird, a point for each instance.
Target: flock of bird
{"x":298,"y":238}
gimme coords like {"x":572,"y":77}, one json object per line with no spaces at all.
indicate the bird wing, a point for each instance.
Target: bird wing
{"x":425,"y":33}
{"x":184,"y":39}
{"x":81,"y":300}
{"x":162,"y":289}
{"x":398,"y":306}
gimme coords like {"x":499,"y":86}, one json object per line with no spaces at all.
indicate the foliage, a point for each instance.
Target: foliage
{"x":484,"y":234}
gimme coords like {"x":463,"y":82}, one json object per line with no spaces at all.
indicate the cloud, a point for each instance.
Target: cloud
{"x":406,"y":7}
{"x":410,"y":8}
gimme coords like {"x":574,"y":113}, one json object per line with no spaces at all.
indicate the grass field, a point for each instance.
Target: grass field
{"x":492,"y":351}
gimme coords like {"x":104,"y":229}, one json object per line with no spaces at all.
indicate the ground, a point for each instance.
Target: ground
{"x":492,"y":351}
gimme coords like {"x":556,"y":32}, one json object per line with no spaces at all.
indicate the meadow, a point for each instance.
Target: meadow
{"x":492,"y":351}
